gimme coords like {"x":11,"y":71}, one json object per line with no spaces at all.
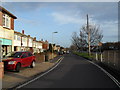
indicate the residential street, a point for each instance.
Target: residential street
{"x":60,"y":44}
{"x":74,"y":72}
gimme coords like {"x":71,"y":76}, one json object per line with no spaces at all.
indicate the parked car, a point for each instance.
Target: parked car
{"x":16,"y":60}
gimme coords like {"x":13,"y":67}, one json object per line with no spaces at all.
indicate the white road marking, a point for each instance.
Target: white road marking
{"x":109,"y":75}
{"x":59,"y":61}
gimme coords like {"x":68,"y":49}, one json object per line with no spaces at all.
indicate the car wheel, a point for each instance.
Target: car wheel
{"x":18,"y":66}
{"x":32,"y":64}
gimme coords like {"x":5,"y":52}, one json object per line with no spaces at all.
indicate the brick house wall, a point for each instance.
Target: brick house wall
{"x":45,"y":45}
{"x":0,"y":18}
{"x":12,"y":23}
{"x":1,"y":70}
{"x":7,"y":33}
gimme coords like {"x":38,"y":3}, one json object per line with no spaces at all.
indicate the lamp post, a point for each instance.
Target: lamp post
{"x":52,"y":43}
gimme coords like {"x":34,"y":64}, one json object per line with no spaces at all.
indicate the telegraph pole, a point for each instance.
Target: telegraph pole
{"x":89,"y":51}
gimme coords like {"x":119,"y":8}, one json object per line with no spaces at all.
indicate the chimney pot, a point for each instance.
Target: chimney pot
{"x":22,"y":31}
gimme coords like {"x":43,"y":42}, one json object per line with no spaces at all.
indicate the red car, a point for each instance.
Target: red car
{"x":16,"y":60}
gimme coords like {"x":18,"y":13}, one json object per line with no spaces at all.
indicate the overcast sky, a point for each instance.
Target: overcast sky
{"x":40,"y":19}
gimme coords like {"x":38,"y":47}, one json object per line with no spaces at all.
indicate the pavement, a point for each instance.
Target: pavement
{"x":73,"y":72}
{"x":12,"y":79}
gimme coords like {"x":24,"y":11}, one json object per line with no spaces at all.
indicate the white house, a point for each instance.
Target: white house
{"x":17,"y":41}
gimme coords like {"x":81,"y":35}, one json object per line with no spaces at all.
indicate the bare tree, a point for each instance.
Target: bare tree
{"x":95,"y":34}
{"x":81,"y":40}
{"x":75,"y":39}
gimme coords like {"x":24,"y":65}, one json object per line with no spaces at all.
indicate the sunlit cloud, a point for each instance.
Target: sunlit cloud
{"x":61,"y":18}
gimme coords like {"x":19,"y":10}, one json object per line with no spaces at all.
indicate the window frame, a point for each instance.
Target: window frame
{"x":6,"y":21}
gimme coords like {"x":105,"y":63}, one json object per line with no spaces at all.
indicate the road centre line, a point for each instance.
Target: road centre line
{"x":58,"y":62}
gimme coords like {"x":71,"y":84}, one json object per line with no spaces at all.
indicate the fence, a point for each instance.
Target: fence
{"x":110,"y":58}
{"x":41,"y":57}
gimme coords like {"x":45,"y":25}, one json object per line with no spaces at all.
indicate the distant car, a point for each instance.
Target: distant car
{"x":64,"y":52}
{"x":68,"y":52}
{"x":60,"y":53}
{"x":16,"y":60}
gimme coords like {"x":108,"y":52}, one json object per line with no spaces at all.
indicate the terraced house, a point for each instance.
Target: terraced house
{"x":7,"y":30}
{"x":24,"y":42}
{"x":17,"y":41}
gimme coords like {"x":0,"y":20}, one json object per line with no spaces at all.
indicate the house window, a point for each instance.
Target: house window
{"x":6,"y":21}
{"x":30,"y":40}
{"x":18,"y":38}
{"x":24,"y":39}
{"x":14,"y":37}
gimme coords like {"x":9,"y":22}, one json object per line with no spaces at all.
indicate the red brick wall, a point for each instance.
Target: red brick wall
{"x":12,"y":23}
{"x":49,"y":54}
{"x":0,"y":18}
{"x":40,"y":57}
{"x":45,"y":46}
{"x":1,"y":70}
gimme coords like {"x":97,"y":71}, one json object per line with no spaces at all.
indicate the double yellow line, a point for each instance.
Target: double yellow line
{"x":59,"y":59}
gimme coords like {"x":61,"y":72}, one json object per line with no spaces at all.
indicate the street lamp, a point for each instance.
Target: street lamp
{"x":52,"y":43}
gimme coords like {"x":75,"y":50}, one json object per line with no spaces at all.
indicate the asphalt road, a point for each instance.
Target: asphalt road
{"x":74,"y":72}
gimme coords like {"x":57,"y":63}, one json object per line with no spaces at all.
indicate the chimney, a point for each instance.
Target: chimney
{"x":28,"y":35}
{"x":34,"y":38}
{"x":22,"y":31}
{"x":41,"y":39}
{"x":46,"y":41}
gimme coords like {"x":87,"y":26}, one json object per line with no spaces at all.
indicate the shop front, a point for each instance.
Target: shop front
{"x":6,"y":46}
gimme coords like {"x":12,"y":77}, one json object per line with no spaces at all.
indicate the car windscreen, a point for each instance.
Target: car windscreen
{"x":14,"y":54}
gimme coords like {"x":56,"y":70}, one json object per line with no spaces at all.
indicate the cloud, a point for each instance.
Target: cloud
{"x":67,"y":14}
{"x":110,"y":30}
{"x":23,"y":6}
{"x":63,"y":18}
{"x":60,"y":1}
{"x":101,"y":10}
{"x":28,"y":21}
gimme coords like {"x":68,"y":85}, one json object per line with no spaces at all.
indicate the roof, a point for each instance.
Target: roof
{"x":7,"y":12}
{"x":57,"y":45}
{"x":21,"y":34}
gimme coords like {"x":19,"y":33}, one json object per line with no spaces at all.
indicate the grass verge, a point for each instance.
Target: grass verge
{"x":85,"y":55}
